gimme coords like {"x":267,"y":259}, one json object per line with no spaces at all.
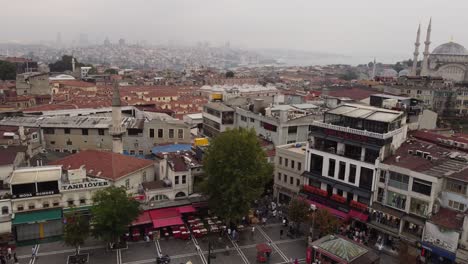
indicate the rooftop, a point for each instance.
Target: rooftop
{"x":171,"y":148}
{"x":36,"y":174}
{"x":298,"y":147}
{"x":448,"y":218}
{"x":103,"y":164}
{"x":343,"y":248}
{"x":219,"y":106}
{"x":8,"y":155}
{"x":366,"y":112}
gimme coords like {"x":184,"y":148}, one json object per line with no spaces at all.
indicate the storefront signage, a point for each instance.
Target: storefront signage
{"x":27,"y":195}
{"x":85,"y":185}
{"x":445,"y":239}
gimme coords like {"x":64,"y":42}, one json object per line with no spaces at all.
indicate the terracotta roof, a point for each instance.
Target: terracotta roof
{"x":448,"y":218}
{"x":75,"y":83}
{"x":8,"y":155}
{"x":103,"y":164}
{"x":177,"y":163}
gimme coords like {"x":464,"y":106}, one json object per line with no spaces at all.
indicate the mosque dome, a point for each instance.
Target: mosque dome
{"x":450,"y":48}
{"x":404,"y":72}
{"x":389,"y":73}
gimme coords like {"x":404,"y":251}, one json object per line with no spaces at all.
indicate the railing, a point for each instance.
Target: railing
{"x":357,"y":131}
{"x":397,"y":184}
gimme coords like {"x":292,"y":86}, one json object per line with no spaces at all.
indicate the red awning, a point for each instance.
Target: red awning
{"x":186,"y":209}
{"x":143,"y":218}
{"x":358,"y":216}
{"x":164,"y":213}
{"x":334,"y":212}
{"x":163,"y":222}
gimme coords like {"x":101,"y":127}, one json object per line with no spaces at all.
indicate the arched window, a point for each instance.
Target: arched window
{"x":180,"y":194}
{"x":159,"y":197}
{"x":5,"y":210}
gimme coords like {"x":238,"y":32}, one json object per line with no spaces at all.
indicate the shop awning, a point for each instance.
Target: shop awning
{"x":186,"y":209}
{"x":173,"y":221}
{"x":358,"y":216}
{"x":37,"y":216}
{"x":81,"y":208}
{"x":334,"y":212}
{"x":143,"y":218}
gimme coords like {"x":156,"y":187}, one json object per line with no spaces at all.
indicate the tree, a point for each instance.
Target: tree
{"x":111,"y":71}
{"x":298,"y":211}
{"x":7,"y":70}
{"x":229,"y":74}
{"x":236,"y":170}
{"x":113,"y":211}
{"x":349,"y":75}
{"x":76,"y":230}
{"x":65,"y":64}
{"x":325,"y":222}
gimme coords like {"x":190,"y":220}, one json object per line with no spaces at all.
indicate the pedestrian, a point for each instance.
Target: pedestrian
{"x":15,"y":258}
{"x":281,"y":233}
{"x":229,"y":232}
{"x":33,"y":252}
{"x":2,"y":259}
{"x":252,"y":231}
{"x":9,"y":253}
{"x":296,"y":261}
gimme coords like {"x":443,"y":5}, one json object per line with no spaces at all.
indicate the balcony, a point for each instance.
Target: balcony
{"x":357,"y":131}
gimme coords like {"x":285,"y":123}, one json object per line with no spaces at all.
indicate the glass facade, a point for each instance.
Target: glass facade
{"x":396,"y":200}
{"x":419,"y":207}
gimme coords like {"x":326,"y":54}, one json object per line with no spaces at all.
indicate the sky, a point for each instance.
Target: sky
{"x":348,"y":27}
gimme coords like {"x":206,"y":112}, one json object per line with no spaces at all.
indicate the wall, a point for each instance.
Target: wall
{"x":79,"y":141}
{"x":136,"y":178}
{"x":291,"y":153}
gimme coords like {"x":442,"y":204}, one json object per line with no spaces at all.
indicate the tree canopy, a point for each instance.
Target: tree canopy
{"x":113,"y":211}
{"x":325,"y":222}
{"x":64,"y":64}
{"x":111,"y":71}
{"x":349,"y":75}
{"x":229,"y":74}
{"x":237,"y":170}
{"x":76,"y":229}
{"x":298,"y":210}
{"x":7,"y":70}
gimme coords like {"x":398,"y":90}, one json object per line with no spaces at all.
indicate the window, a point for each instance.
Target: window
{"x":419,"y":207}
{"x":66,"y":130}
{"x":101,"y":131}
{"x":5,"y":210}
{"x":176,"y":180}
{"x":422,"y":187}
{"x":292,"y":164}
{"x":171,"y":133}
{"x":49,"y":131}
{"x":69,"y":142}
{"x":398,"y":180}
{"x":20,"y":207}
{"x":316,"y":163}
{"x":382,"y":176}
{"x":31,"y":206}
{"x":280,"y":160}
{"x":331,"y":167}
{"x":82,"y":200}
{"x":70,"y":203}
{"x":151,"y":132}
{"x":84,"y":131}
{"x":285,"y":177}
{"x":160,"y":133}
{"x":291,"y":180}
{"x":243,"y":118}
{"x":45,"y":204}
{"x":396,"y":200}
{"x":55,"y":203}
{"x":298,"y":182}
{"x":292,"y":130}
{"x":457,"y":205}
{"x":456,"y":186}
{"x":380,"y":195}
{"x":180,"y":133}
{"x":132,"y":152}
{"x":352,"y":173}
{"x":365,"y":180}
{"x":299,"y":166}
{"x":342,"y":170}
{"x":52,"y":142}
{"x":279,"y":176}
{"x":144,"y":176}
{"x":127,"y":183}
{"x":339,"y":192}
{"x":184,"y":179}
{"x":140,"y":152}
{"x":286,"y":162}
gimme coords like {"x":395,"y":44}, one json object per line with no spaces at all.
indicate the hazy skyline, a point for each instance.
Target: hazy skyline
{"x":354,"y":28}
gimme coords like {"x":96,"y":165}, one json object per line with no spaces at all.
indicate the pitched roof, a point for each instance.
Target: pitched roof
{"x":8,"y":155}
{"x":448,"y":218}
{"x":103,"y":164}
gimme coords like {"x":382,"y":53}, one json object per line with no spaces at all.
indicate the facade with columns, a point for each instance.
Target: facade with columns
{"x":449,"y":60}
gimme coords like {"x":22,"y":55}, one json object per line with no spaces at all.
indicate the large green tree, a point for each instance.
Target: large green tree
{"x":7,"y":70}
{"x":325,"y":222}
{"x":237,"y":171}
{"x":76,"y":229}
{"x":64,"y":64}
{"x":298,"y":211}
{"x":113,"y":211}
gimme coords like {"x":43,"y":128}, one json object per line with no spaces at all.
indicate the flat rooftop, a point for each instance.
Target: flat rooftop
{"x":366,"y":112}
{"x":219,"y":106}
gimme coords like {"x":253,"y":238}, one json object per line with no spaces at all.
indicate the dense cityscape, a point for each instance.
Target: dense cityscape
{"x":128,"y":152}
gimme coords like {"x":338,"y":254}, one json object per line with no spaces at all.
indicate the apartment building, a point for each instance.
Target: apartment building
{"x":343,"y":153}
{"x":217,"y":118}
{"x":289,"y":166}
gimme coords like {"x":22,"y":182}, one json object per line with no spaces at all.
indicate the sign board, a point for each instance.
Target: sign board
{"x":34,"y":194}
{"x":85,"y":185}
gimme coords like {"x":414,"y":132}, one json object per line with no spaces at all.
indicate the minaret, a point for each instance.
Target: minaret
{"x":73,"y":64}
{"x":373,"y":69}
{"x":425,"y":63}
{"x":116,"y":131}
{"x":416,"y":53}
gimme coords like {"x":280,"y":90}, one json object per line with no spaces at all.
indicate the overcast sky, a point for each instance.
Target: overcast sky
{"x":350,"y":27}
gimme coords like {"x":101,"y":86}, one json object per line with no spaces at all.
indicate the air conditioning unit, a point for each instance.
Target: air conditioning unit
{"x":429,"y":157}
{"x":419,"y":153}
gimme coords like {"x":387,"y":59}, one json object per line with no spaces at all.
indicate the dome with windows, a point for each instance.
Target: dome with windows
{"x":450,"y":48}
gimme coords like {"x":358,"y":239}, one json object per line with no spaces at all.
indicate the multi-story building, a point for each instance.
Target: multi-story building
{"x":343,"y":153}
{"x":289,"y":166}
{"x":32,"y":83}
{"x":217,"y":118}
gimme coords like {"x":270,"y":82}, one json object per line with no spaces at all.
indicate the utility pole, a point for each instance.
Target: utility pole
{"x":209,"y":252}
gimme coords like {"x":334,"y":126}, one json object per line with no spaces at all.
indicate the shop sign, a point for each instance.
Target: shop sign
{"x":33,"y":194}
{"x":85,"y":185}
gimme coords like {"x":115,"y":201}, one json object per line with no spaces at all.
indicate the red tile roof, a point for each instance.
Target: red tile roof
{"x":448,"y":218}
{"x":103,"y":164}
{"x":8,"y":155}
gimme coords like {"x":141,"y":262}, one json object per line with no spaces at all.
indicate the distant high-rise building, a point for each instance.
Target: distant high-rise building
{"x":58,"y":40}
{"x":83,"y":39}
{"x":122,"y":42}
{"x":107,"y":42}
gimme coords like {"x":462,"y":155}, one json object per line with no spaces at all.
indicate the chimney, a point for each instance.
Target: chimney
{"x":283,"y":115}
{"x":21,"y":133}
{"x":258,"y":104}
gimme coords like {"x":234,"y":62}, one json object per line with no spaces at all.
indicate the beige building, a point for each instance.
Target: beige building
{"x":32,"y":83}
{"x":289,"y":166}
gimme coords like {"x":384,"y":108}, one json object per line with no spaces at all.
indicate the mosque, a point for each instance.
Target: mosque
{"x":449,"y":60}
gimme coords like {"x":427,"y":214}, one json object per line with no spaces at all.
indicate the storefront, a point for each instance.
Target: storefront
{"x":38,"y":224}
{"x":436,"y":255}
{"x":385,"y":226}
{"x":439,"y":245}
